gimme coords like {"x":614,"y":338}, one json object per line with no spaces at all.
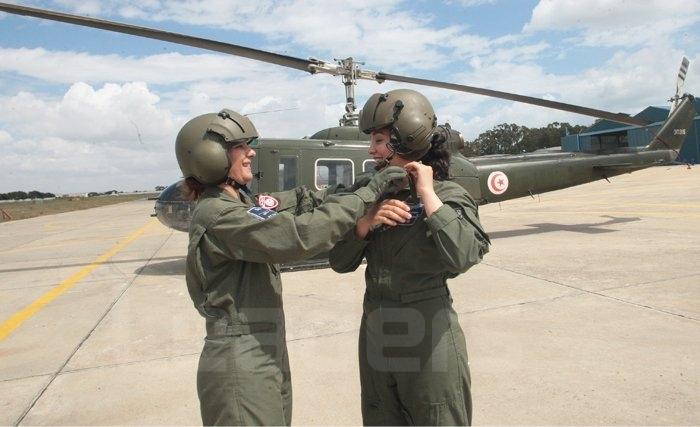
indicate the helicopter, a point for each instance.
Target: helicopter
{"x":336,"y":155}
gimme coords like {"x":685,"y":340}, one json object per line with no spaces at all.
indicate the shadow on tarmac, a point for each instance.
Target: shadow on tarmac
{"x":548,"y":227}
{"x":174,"y":267}
{"x":84,"y":264}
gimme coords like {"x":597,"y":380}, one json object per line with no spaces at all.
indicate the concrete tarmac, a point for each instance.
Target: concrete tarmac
{"x":586,"y":311}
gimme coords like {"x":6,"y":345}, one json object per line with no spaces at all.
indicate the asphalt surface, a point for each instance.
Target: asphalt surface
{"x":586,"y":311}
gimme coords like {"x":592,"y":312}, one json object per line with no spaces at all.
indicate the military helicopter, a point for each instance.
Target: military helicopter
{"x":336,"y":155}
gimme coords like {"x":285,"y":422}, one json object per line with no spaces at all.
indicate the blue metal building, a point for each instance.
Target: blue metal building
{"x":606,"y":135}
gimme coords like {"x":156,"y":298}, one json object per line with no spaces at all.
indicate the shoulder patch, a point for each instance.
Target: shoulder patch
{"x":268,"y":202}
{"x":261,"y":214}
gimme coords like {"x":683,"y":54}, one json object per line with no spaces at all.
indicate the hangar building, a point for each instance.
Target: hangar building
{"x":606,"y":135}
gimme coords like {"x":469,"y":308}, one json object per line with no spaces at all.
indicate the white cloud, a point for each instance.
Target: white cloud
{"x":113,"y":137}
{"x":624,"y":83}
{"x":622,"y":23}
{"x":168,"y":68}
{"x":382,"y":33}
{"x":82,"y":7}
{"x":114,"y":113}
{"x":60,"y":166}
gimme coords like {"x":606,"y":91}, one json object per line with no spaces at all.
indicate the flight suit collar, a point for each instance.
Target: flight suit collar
{"x":215,"y":191}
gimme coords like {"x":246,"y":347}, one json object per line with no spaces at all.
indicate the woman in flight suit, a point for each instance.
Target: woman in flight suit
{"x":236,"y":241}
{"x":413,"y":356}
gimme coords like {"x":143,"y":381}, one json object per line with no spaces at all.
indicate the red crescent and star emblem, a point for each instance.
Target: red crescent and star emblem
{"x":497,"y":182}
{"x":267,"y":202}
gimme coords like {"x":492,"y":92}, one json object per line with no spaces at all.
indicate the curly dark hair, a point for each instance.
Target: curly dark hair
{"x":438,"y":157}
{"x":192,"y":189}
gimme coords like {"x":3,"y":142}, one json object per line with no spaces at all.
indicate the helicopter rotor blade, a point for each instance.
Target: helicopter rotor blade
{"x":616,"y":117}
{"x":233,"y":49}
{"x":309,"y":65}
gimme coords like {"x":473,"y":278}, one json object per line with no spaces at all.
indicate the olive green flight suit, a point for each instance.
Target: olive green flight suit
{"x":232,"y":277}
{"x":413,"y":356}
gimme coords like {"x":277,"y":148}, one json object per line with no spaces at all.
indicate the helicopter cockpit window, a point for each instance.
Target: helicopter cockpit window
{"x":287,"y":176}
{"x":334,"y":171}
{"x":368,"y":165}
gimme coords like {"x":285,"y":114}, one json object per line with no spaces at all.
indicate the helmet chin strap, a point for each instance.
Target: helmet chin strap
{"x":235,"y":184}
{"x":385,"y":161}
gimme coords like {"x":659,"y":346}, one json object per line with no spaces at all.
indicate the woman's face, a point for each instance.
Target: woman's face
{"x":241,"y":158}
{"x":379,"y":148}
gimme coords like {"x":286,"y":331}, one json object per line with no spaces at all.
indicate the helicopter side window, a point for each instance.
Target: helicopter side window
{"x":368,"y":165}
{"x":287,"y":176}
{"x":334,"y":171}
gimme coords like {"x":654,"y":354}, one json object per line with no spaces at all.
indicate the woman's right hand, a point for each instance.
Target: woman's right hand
{"x":388,"y":212}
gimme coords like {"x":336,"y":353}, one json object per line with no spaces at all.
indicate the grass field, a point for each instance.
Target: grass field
{"x":33,"y":208}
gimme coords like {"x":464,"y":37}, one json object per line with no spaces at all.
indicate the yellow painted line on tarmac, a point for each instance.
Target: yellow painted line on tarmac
{"x":20,"y":317}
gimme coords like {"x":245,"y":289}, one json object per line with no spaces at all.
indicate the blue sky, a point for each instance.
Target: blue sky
{"x":87,"y":110}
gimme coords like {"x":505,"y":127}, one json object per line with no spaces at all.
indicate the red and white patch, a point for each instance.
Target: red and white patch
{"x":267,"y":202}
{"x":497,"y":182}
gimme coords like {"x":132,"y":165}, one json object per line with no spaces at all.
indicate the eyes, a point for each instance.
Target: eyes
{"x":243,"y":149}
{"x":378,"y":139}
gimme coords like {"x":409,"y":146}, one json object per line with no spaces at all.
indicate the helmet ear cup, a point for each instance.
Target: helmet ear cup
{"x":201,"y":145}
{"x":408,"y":114}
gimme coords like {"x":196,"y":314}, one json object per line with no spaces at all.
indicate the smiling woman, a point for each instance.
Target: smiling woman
{"x":235,"y":242}
{"x":412,"y":351}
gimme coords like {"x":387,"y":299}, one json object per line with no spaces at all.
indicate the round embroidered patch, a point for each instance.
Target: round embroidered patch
{"x":267,"y":202}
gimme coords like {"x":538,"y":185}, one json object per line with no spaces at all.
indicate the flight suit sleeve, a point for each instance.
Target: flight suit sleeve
{"x":298,"y":200}
{"x":456,"y":230}
{"x":348,"y":253}
{"x":243,"y":234}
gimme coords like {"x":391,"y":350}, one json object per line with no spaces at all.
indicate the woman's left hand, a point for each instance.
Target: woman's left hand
{"x":423,"y":176}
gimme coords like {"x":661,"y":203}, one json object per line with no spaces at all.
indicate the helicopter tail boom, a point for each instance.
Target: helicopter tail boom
{"x":675,"y":129}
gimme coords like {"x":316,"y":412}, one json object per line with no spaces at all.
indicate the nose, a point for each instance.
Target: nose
{"x":251,"y":152}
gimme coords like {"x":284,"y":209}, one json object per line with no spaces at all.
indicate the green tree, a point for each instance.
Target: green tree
{"x":503,"y":138}
{"x":512,"y":139}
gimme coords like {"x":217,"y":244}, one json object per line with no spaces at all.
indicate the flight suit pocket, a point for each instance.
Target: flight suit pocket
{"x":441,"y":414}
{"x":195,"y":256}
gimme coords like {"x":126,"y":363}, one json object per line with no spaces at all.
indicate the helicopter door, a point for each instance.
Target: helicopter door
{"x":277,"y":170}
{"x":287,"y":171}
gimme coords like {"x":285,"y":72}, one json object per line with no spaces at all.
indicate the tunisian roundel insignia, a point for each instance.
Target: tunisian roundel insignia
{"x":497,"y":182}
{"x":267,"y":202}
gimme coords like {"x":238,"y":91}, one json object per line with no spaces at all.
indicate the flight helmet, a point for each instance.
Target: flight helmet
{"x":201,"y":145}
{"x":409,"y":116}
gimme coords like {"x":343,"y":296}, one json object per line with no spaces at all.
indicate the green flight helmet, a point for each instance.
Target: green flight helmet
{"x":409,"y":116}
{"x":201,"y":144}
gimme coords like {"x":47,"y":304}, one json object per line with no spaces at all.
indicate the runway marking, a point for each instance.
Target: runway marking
{"x":20,"y":317}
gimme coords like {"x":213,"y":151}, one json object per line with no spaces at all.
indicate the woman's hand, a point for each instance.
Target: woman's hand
{"x":388,"y":212}
{"x":423,"y":177}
